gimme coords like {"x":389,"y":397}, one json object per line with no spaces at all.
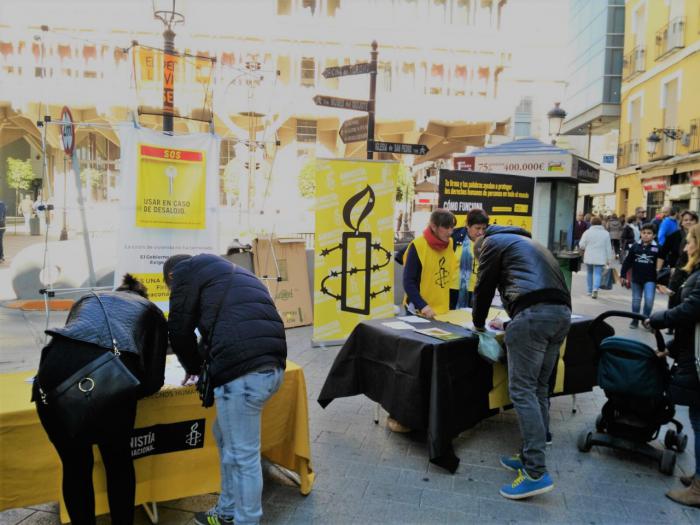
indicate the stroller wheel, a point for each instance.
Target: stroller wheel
{"x":600,"y":423}
{"x":585,"y":441}
{"x":668,"y":462}
{"x":681,"y":442}
{"x":670,"y":439}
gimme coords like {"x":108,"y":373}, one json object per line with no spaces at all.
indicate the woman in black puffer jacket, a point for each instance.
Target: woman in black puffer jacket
{"x":685,"y":383}
{"x":140,"y":331}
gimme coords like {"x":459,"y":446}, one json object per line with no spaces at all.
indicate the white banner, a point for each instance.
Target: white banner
{"x":169,"y":203}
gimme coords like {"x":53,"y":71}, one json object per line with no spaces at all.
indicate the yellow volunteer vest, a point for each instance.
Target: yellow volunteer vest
{"x":437,"y":273}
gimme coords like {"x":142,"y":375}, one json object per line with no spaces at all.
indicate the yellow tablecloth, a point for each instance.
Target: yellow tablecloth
{"x":30,"y":470}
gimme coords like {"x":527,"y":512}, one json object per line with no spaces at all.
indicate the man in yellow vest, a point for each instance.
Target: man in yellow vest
{"x":429,"y":266}
{"x":467,"y":265}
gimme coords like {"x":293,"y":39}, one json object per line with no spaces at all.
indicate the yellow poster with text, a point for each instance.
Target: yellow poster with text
{"x":170,"y":188}
{"x":354,"y":244}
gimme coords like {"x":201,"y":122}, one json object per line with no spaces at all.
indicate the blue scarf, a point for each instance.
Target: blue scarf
{"x":465,"y":272}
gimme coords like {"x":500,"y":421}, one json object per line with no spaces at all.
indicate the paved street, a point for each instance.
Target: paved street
{"x":366,"y":474}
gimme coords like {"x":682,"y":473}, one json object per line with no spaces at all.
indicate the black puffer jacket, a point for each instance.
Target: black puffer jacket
{"x":524,"y":272}
{"x":682,"y":319}
{"x":137,"y":324}
{"x":248,"y":334}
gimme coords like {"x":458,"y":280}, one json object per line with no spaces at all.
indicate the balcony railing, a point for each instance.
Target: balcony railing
{"x":694,"y":133}
{"x":670,"y":37}
{"x":634,"y":63}
{"x":628,"y":154}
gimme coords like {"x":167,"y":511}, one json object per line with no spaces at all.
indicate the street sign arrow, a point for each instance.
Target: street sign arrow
{"x":344,"y":71}
{"x":397,"y":147}
{"x":354,"y":130}
{"x":342,"y":103}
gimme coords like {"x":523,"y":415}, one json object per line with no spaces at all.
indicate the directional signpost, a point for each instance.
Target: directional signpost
{"x":342,"y":103}
{"x":397,"y":147}
{"x":352,"y":69}
{"x":354,"y":130}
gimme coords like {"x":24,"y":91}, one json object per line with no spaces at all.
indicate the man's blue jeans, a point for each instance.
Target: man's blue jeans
{"x":239,"y":405}
{"x":649,"y":291}
{"x":593,"y":273}
{"x":533,"y":340}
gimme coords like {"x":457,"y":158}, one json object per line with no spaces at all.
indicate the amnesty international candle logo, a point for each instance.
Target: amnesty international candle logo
{"x":441,"y":274}
{"x":356,"y":251}
{"x":171,"y":188}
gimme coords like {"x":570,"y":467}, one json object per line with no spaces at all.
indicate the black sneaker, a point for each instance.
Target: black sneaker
{"x":210,"y":517}
{"x":548,"y":439}
{"x":634,"y":324}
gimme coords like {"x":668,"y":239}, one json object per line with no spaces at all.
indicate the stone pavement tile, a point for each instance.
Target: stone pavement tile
{"x":378,"y":473}
{"x":14,"y":516}
{"x":165,"y":515}
{"x":319,"y":517}
{"x":582,"y":503}
{"x":482,"y":489}
{"x":393,"y":492}
{"x":587,"y":517}
{"x":505,"y":511}
{"x":47,"y":507}
{"x":465,"y":503}
{"x":659,"y":510}
{"x":335,"y":489}
{"x":365,"y":509}
{"x":693,"y":514}
{"x":200,"y":503}
{"x":426,"y":480}
{"x":41,"y":518}
{"x":405,"y":462}
{"x":495,"y":474}
{"x":399,"y":513}
{"x":277,"y":514}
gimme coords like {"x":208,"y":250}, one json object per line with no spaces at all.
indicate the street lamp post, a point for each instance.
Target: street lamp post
{"x":556,"y":117}
{"x":170,"y":18}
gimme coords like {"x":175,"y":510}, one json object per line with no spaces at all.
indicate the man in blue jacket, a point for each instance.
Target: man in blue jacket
{"x":245,"y":343}
{"x":535,"y":296}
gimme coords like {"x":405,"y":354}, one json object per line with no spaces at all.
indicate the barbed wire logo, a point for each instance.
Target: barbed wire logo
{"x":350,"y":240}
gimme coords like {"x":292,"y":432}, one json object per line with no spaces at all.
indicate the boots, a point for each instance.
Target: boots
{"x":687,"y":480}
{"x":689,"y":496}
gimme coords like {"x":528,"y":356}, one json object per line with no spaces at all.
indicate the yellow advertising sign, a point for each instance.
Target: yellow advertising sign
{"x":354,"y":243}
{"x":170,"y":188}
{"x":155,"y":285}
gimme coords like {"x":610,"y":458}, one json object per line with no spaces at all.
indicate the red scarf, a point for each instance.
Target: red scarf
{"x":434,"y":242}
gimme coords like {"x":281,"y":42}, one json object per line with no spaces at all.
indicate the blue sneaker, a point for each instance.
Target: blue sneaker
{"x":513,"y":462}
{"x":525,"y":487}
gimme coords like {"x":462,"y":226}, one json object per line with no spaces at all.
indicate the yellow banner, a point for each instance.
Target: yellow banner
{"x":171,"y":188}
{"x":354,"y":244}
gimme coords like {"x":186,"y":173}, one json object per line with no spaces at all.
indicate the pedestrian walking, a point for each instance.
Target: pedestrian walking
{"x":630,"y":235}
{"x":641,"y":261}
{"x":245,"y":349}
{"x":614,"y":227}
{"x":580,"y":225}
{"x":100,"y":323}
{"x":26,"y":208}
{"x":535,"y":296}
{"x":597,"y":253}
{"x":685,"y":383}
{"x":669,"y":225}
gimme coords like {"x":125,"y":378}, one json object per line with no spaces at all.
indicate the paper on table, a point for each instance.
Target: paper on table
{"x":412,"y":319}
{"x":575,"y":316}
{"x":398,"y":325}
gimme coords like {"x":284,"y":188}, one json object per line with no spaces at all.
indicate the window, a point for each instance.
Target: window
{"x":655,"y":201}
{"x":461,"y":12}
{"x":624,"y":200}
{"x":384,"y":76}
{"x":306,"y":130}
{"x":308,"y":72}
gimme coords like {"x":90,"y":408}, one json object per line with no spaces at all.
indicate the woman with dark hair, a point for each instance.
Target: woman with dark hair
{"x":101,"y":322}
{"x":685,"y":383}
{"x":463,"y":240}
{"x":673,"y":253}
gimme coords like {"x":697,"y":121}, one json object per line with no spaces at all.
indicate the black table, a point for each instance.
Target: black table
{"x":440,"y":386}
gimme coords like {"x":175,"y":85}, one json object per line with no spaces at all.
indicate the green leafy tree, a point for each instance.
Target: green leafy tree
{"x":404,"y":184}
{"x":91,"y":177}
{"x":307,"y":179}
{"x":20,"y":175}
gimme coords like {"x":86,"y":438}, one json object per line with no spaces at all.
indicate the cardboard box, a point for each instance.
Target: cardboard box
{"x":287,"y":280}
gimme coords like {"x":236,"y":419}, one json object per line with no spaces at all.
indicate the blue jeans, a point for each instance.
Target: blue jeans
{"x":533,"y":341}
{"x":594,"y":271}
{"x":649,"y":291}
{"x":239,"y":405}
{"x":694,"y":416}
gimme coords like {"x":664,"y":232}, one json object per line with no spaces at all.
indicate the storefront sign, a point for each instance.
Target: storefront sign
{"x":464,"y":163}
{"x":695,"y":178}
{"x":539,"y":166}
{"x":657,"y":184}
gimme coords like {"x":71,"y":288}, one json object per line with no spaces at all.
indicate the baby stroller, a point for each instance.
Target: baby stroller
{"x":635,"y":382}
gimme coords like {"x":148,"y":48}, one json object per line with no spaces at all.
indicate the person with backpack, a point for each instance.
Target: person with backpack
{"x":124,"y":322}
{"x":641,"y":260}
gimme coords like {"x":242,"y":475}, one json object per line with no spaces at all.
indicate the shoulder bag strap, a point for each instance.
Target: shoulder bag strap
{"x":115,"y":350}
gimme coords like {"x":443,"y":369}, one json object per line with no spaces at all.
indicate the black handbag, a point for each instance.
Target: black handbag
{"x":103,"y":383}
{"x":684,"y":387}
{"x":205,"y":386}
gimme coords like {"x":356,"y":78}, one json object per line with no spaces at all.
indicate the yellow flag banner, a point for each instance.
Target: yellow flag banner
{"x":168,"y":205}
{"x":354,"y":244}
